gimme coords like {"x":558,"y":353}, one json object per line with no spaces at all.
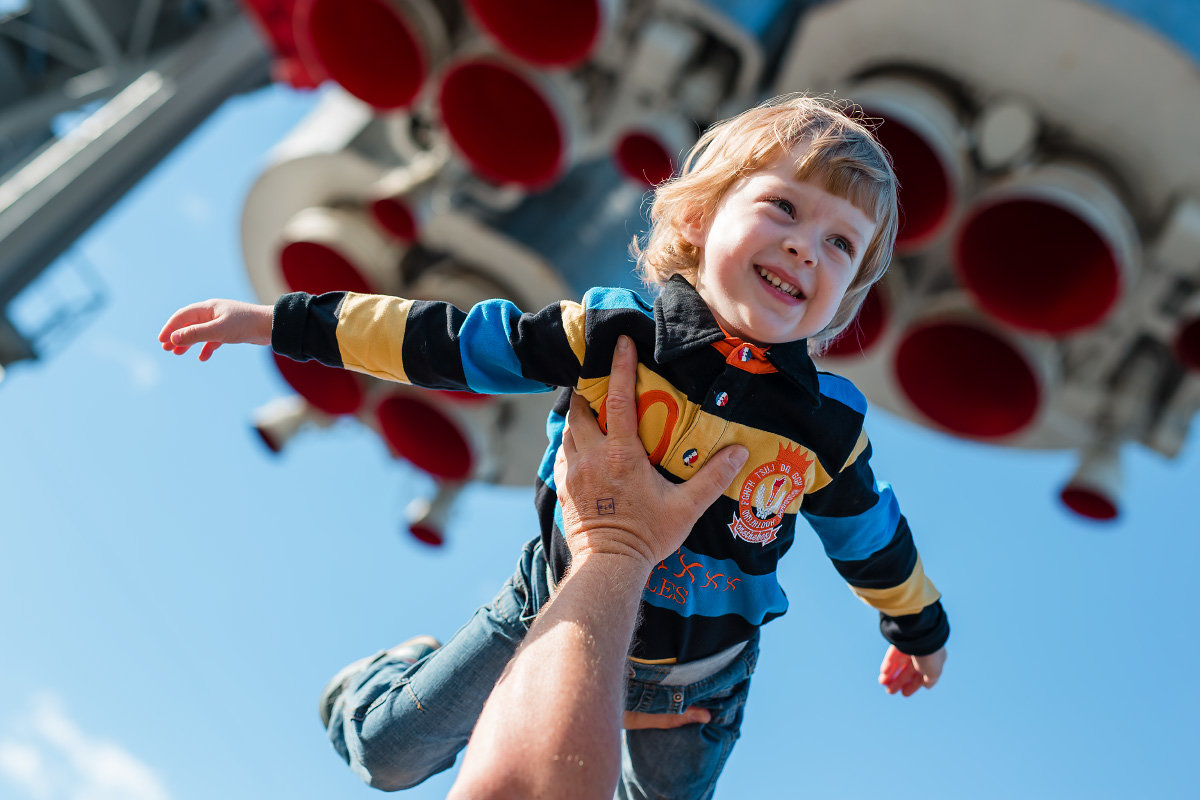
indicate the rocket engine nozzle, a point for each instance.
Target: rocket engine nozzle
{"x":1187,"y":336}
{"x":502,"y":123}
{"x":1049,"y":253}
{"x":1094,"y":490}
{"x":427,"y":517}
{"x":864,"y":332}
{"x":968,"y":378}
{"x":424,"y":436}
{"x":643,"y":157}
{"x":332,"y":391}
{"x":926,"y":141}
{"x":328,"y":250}
{"x":395,"y":215}
{"x":545,"y":33}
{"x":281,"y":419}
{"x":380,"y":51}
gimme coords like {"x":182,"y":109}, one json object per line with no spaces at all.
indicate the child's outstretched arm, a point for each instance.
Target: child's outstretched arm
{"x":903,"y":673}
{"x":216,"y":322}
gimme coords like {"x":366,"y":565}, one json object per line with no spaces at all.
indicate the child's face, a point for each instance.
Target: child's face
{"x":779,"y":254}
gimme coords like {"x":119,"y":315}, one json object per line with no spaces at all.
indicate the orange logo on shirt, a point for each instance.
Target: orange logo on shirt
{"x":766,"y":495}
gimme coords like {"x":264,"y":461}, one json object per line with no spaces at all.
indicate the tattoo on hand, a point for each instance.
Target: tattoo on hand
{"x":606,"y":505}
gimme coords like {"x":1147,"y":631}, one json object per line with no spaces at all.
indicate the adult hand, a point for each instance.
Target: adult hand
{"x":614,"y":502}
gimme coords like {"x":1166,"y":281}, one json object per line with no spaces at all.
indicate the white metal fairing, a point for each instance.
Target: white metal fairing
{"x":1122,"y":91}
{"x":313,"y":167}
{"x":284,"y":417}
{"x":350,"y":233}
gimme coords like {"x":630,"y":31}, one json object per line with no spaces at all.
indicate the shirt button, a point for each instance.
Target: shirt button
{"x":722,"y":398}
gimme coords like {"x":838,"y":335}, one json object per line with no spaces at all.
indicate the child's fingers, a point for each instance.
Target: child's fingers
{"x":893,"y":660}
{"x":641,"y":720}
{"x":209,"y":349}
{"x":897,"y":671}
{"x":209,"y":331}
{"x":188,"y":315}
{"x":906,"y":679}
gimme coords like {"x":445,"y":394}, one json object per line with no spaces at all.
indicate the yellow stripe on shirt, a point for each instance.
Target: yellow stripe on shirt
{"x":370,"y":335}
{"x":670,"y":426}
{"x":910,"y":597}
{"x":574,"y":327}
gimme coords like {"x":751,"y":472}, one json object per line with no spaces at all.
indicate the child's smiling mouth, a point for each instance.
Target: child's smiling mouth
{"x":779,"y":283}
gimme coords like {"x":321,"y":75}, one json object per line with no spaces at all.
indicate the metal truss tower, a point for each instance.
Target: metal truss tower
{"x":148,"y":71}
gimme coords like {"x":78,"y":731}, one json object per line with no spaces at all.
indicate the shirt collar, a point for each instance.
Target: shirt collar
{"x":683,"y":323}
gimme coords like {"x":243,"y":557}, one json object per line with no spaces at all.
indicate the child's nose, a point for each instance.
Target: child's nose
{"x":800,"y":249}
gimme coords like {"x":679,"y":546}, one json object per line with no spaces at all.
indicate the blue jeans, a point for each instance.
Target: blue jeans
{"x":396,"y":724}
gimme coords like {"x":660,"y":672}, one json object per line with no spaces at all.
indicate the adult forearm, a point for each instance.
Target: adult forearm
{"x":565,"y":685}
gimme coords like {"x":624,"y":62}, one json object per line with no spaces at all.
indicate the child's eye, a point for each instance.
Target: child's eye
{"x":844,"y":244}
{"x":784,"y":205}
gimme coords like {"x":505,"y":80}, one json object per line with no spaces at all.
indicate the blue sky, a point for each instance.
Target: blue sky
{"x":173,"y":597}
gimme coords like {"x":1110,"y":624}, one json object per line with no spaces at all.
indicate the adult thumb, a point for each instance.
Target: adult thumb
{"x":715,"y":476}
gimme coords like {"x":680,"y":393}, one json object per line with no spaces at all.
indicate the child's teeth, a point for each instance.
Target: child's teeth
{"x":778,"y":283}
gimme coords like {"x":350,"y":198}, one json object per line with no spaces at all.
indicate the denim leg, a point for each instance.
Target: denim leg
{"x":396,"y":724}
{"x":684,"y":763}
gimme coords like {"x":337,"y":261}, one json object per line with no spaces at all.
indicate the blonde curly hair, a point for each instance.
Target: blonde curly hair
{"x":841,"y":153}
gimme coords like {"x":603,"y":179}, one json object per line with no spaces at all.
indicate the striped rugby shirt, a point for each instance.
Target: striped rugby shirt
{"x":698,"y":391}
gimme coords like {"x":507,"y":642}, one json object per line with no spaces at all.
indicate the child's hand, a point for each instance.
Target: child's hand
{"x":216,"y":322}
{"x":905,"y":674}
{"x":640,"y":720}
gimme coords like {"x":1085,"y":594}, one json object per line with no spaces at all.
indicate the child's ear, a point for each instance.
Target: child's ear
{"x":693,"y":229}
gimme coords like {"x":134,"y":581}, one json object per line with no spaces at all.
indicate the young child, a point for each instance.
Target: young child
{"x":763,"y":247}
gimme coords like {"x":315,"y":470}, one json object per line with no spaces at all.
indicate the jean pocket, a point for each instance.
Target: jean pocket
{"x":372,"y":696}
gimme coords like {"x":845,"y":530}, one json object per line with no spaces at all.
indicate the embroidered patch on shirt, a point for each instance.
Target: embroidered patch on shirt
{"x":767,"y":493}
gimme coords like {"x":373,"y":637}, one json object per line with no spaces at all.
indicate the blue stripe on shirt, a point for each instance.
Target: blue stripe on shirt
{"x":489,"y":363}
{"x":554,"y":431}
{"x":838,"y":388}
{"x":857,"y":537}
{"x":694,"y":585}
{"x":604,"y":297}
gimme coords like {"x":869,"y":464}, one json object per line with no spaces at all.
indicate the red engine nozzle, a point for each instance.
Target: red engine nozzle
{"x":395,"y":215}
{"x":923,"y":132}
{"x":1089,"y":502}
{"x":372,"y":48}
{"x":424,"y":436}
{"x":546,"y":33}
{"x":1037,"y":266}
{"x":334,"y":249}
{"x":502,"y":123}
{"x":967,"y":379}
{"x":333,"y":391}
{"x":864,"y":332}
{"x":316,"y":268}
{"x":927,"y":195}
{"x":1187,"y":343}
{"x":1048,"y":252}
{"x":643,"y":157}
{"x":1094,"y":490}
